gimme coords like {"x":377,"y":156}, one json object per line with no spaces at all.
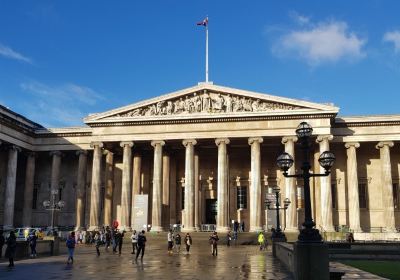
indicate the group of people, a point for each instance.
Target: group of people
{"x":175,"y":240}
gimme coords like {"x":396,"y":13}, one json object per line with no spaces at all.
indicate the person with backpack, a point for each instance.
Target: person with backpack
{"x":141,"y":245}
{"x":71,"y":247}
{"x":11,"y":248}
{"x":178,"y":243}
{"x":32,"y":238}
{"x":2,"y":242}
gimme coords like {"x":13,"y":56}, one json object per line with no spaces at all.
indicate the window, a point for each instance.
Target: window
{"x":241,"y":198}
{"x":334,"y":195}
{"x":363,"y":195}
{"x":34,"y":197}
{"x":396,"y":196}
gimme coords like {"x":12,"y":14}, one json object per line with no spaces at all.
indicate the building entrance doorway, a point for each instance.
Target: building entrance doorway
{"x":211,"y":211}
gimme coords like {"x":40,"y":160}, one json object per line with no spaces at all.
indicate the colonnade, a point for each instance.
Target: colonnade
{"x":161,"y":194}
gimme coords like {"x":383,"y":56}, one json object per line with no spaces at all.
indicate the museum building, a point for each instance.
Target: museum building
{"x":200,"y":157}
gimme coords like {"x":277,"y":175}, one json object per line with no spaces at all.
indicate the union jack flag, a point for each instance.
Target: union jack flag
{"x":204,"y":22}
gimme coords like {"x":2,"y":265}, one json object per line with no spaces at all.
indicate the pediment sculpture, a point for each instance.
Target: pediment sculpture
{"x":208,"y":102}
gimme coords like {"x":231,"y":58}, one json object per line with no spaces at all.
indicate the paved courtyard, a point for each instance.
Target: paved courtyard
{"x":236,"y":262}
{"x":241,"y":262}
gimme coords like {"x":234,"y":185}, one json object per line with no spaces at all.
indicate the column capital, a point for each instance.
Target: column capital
{"x":157,"y":142}
{"x":288,"y":139}
{"x":322,"y":138}
{"x":80,"y":152}
{"x":31,"y":154}
{"x":382,"y":144}
{"x":348,"y":145}
{"x":94,"y":144}
{"x":222,"y":140}
{"x":15,"y":148}
{"x":189,"y":141}
{"x":55,"y":153}
{"x":126,"y":143}
{"x":255,"y":139}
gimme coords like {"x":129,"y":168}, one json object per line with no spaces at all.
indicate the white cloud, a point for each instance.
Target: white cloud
{"x":62,"y":105}
{"x":299,"y":19}
{"x":393,"y":37}
{"x":324,"y":42}
{"x":10,"y":53}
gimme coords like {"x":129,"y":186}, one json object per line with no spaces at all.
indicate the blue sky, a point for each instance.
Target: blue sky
{"x":61,"y":60}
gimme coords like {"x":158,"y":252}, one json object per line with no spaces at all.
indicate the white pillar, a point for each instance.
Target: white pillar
{"x":136,"y":182}
{"x":81,"y":190}
{"x":352,"y":186}
{"x":9,"y":199}
{"x":325,"y":185}
{"x":290,"y":187}
{"x":126,"y":195}
{"x":165,"y":190}
{"x":28,"y":192}
{"x":189,"y":185}
{"x":255,"y":185}
{"x":109,"y":189}
{"x":156,"y":221}
{"x":55,"y":180}
{"x":197,"y":219}
{"x":95,"y":195}
{"x":222,"y":191}
{"x":387,"y":185}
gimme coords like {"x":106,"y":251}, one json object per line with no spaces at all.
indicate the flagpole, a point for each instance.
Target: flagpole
{"x":207,"y":51}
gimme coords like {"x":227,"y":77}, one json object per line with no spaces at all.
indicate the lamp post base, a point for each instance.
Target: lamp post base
{"x":309,"y":235}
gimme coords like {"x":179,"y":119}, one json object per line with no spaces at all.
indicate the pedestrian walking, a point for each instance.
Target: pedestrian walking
{"x":2,"y":242}
{"x":242,"y":226}
{"x":97,"y":240}
{"x":121,"y":241}
{"x":261,"y":240}
{"x":108,"y":238}
{"x":32,"y":238}
{"x":178,"y":243}
{"x":228,"y":239}
{"x":170,"y":240}
{"x":188,"y":242}
{"x":71,"y":247}
{"x":11,"y":248}
{"x":134,"y":239}
{"x":214,"y":243}
{"x":117,"y":238}
{"x":141,"y":244}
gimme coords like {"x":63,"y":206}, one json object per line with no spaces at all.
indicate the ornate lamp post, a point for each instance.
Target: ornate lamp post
{"x":53,"y":206}
{"x":308,"y":233}
{"x":278,"y":234}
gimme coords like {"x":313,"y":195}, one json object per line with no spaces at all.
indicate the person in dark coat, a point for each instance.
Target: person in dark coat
{"x":2,"y":241}
{"x":121,"y":240}
{"x":214,"y":243}
{"x":32,"y":238}
{"x":11,"y":248}
{"x":141,"y":244}
{"x":188,"y":242}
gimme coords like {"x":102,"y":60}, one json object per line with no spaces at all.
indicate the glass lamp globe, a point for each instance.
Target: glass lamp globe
{"x":61,"y":204}
{"x":326,"y":160}
{"x":284,"y":161}
{"x":46,"y":203}
{"x":304,"y":130}
{"x":286,"y":202}
{"x":276,"y":189}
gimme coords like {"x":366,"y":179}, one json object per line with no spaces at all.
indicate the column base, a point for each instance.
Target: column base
{"x":188,"y":229}
{"x":255,"y":229}
{"x":223,"y":229}
{"x":389,"y":229}
{"x":126,"y":228}
{"x":93,"y":228}
{"x":292,"y":230}
{"x":156,"y":229}
{"x":329,"y":229}
{"x":80,"y":229}
{"x":357,"y":230}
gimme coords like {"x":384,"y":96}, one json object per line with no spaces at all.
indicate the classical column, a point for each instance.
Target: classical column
{"x":109,"y":188}
{"x":255,"y":185}
{"x":222,"y":191}
{"x":95,"y":195}
{"x":290,"y":187}
{"x":352,"y":186}
{"x":136,"y":182}
{"x":55,"y":169}
{"x":197,"y":223}
{"x":387,"y":185}
{"x":9,"y":199}
{"x":28,"y":192}
{"x":165,"y":189}
{"x":81,"y":190}
{"x":189,"y":185}
{"x":325,"y":186}
{"x":156,"y":215}
{"x":172,"y":191}
{"x":126,"y":188}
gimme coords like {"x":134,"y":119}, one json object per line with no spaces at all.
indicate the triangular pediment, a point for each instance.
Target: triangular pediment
{"x":208,"y":100}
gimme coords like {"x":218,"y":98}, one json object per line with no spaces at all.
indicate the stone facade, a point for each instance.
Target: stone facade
{"x":204,"y":155}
